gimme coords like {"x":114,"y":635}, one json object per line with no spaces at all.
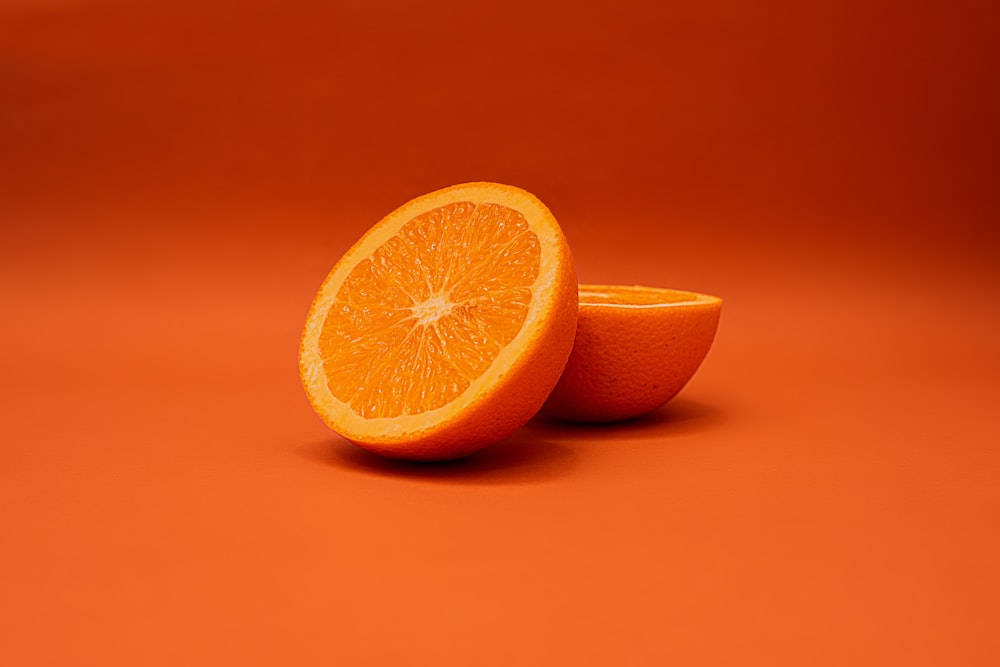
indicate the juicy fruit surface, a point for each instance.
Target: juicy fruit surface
{"x":636,"y":348}
{"x":414,"y":324}
{"x":629,"y":296}
{"x":445,"y":327}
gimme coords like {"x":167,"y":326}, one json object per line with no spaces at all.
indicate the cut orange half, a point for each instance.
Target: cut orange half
{"x":445,"y":327}
{"x":635,"y":349}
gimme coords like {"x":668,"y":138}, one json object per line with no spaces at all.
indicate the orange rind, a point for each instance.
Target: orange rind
{"x":636,"y":348}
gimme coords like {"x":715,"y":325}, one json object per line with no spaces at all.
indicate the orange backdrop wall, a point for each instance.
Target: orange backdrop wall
{"x":176,"y":178}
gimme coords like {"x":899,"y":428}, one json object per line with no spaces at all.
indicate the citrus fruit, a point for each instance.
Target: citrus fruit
{"x":636,"y":348}
{"x":445,"y":327}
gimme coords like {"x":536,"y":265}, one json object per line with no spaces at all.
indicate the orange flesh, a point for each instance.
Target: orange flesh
{"x":414,"y":324}
{"x":635,"y":296}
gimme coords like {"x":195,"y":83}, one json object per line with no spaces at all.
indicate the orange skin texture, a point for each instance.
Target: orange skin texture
{"x":628,"y":361}
{"x":520,"y":382}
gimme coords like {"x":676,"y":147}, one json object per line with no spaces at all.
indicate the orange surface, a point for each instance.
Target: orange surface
{"x":636,"y":348}
{"x":176,"y":178}
{"x":445,"y":328}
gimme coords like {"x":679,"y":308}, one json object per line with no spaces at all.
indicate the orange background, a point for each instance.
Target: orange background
{"x":176,"y":178}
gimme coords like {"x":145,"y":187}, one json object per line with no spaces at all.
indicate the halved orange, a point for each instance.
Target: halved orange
{"x":445,"y":327}
{"x":636,"y":348}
